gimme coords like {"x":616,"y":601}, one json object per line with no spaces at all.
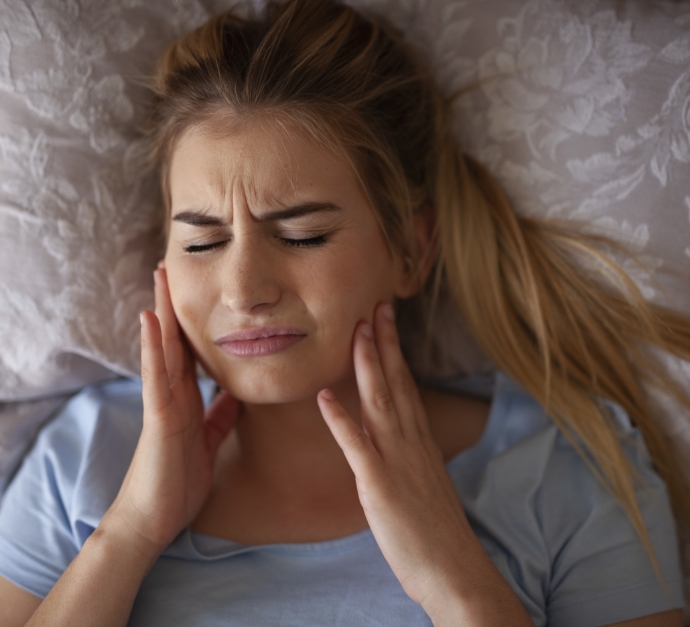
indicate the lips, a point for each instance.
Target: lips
{"x":260,"y":341}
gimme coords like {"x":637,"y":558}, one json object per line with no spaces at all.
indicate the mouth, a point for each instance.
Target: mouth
{"x":259,"y":341}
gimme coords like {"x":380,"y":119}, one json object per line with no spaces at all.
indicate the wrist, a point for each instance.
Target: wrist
{"x":116,"y":535}
{"x":475,"y":593}
{"x":100,"y":584}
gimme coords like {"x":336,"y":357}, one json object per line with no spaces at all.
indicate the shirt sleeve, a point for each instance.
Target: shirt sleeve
{"x":601,"y":571}
{"x":36,"y":539}
{"x":67,"y":482}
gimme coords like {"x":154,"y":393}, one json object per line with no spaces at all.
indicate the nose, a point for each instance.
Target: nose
{"x":250,"y":281}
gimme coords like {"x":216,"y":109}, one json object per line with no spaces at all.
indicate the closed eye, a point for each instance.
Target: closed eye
{"x":200,"y":248}
{"x":310,"y":241}
{"x":295,"y":243}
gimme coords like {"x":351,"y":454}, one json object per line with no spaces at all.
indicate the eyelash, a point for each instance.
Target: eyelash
{"x":195,"y":249}
{"x":309,"y":241}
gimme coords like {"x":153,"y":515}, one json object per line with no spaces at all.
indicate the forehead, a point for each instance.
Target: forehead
{"x":262,"y":162}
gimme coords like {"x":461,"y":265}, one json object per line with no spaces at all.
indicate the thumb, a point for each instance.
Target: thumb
{"x":219,"y":419}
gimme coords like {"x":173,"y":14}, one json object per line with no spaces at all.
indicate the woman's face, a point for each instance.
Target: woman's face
{"x":272,"y":236}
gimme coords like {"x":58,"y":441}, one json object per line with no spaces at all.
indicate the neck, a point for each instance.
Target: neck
{"x":289,"y":447}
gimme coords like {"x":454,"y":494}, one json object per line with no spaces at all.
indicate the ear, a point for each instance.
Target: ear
{"x":416,"y":268}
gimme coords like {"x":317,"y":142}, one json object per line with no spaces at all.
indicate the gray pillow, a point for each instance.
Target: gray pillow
{"x":585,"y":115}
{"x":78,"y":225}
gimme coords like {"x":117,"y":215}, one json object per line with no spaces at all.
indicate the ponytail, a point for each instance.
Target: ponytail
{"x":564,"y":321}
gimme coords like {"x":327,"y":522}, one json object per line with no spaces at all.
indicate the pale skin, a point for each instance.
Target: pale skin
{"x":319,"y":441}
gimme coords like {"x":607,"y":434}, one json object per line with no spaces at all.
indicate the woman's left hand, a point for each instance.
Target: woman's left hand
{"x":407,"y":495}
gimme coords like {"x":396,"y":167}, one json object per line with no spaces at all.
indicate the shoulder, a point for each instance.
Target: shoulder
{"x":81,"y":456}
{"x":522,"y":443}
{"x":100,"y":422}
{"x":66,"y":483}
{"x":556,"y":533}
{"x":525,"y":447}
{"x":68,"y":480}
{"x":110,"y":410}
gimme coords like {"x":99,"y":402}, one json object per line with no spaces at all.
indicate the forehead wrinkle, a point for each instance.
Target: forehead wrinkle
{"x":253,"y":188}
{"x":261,"y":174}
{"x":260,"y":187}
{"x":237,"y":183}
{"x":268,"y":187}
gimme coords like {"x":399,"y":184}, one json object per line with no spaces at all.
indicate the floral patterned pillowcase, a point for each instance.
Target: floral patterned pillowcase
{"x":582,"y":110}
{"x":77,"y":222}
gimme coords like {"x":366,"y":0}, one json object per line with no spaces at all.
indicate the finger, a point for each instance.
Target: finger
{"x":354,"y":442}
{"x":378,"y":407}
{"x":155,"y":382}
{"x":398,"y":377}
{"x":178,"y":357}
{"x":219,"y":420}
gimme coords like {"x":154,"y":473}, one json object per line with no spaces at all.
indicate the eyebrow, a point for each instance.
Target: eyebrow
{"x":199,"y":218}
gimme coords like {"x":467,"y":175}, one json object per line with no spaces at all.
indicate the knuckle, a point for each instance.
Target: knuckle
{"x":383,"y":401}
{"x":371,"y":356}
{"x":150,"y":374}
{"x":357,"y":440}
{"x":146,"y":374}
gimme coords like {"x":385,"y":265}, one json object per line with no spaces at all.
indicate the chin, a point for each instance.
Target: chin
{"x":271,"y":390}
{"x":268,"y":386}
{"x":280,"y":378}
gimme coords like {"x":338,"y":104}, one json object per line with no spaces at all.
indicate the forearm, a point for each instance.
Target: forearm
{"x":99,"y":587}
{"x":475,"y":594}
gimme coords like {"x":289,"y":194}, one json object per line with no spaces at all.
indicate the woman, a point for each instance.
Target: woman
{"x":311,"y":181}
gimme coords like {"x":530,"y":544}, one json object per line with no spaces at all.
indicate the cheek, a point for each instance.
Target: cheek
{"x":364,"y":280}
{"x":189,"y":294}
{"x":348,"y":286}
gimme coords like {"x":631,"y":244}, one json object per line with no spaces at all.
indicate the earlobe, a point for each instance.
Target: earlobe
{"x":417,"y":264}
{"x":410,"y":280}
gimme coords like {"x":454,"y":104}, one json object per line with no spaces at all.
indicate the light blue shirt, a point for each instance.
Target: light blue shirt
{"x":557,"y":536}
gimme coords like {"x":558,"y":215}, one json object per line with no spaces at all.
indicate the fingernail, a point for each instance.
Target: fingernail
{"x":156,"y":278}
{"x":328,"y":395}
{"x":141,"y":319}
{"x":367,"y":331}
{"x":389,"y":312}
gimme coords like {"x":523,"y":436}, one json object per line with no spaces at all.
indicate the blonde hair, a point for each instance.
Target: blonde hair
{"x":542,"y":300}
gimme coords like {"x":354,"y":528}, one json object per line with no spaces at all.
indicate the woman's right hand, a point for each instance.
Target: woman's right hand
{"x":172,"y":469}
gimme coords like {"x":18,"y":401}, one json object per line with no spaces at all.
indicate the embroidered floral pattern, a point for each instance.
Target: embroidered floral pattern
{"x":581,"y":110}
{"x":78,"y":228}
